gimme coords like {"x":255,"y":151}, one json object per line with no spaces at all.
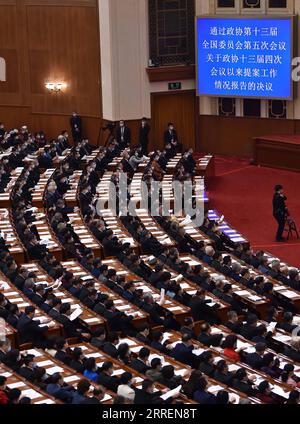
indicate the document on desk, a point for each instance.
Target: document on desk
{"x":16,"y":385}
{"x":53,"y":370}
{"x":32,"y":394}
{"x":71,"y":378}
{"x":290,"y":294}
{"x":272,"y":326}
{"x":166,"y":337}
{"x":128,"y":341}
{"x":198,"y":352}
{"x":76,"y":314}
{"x":171,"y":393}
{"x":280,"y":392}
{"x":254,"y":298}
{"x":215,"y":389}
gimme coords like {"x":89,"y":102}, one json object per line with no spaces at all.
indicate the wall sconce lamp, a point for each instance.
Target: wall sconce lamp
{"x":55,"y":86}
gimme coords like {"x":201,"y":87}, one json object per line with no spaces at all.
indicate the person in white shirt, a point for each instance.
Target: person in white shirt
{"x":125,"y":388}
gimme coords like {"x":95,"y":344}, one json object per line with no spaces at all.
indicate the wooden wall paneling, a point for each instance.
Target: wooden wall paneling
{"x":65,"y":52}
{"x":48,"y":40}
{"x":234,"y":136}
{"x":10,"y":90}
{"x":178,"y":107}
{"x":77,"y":3}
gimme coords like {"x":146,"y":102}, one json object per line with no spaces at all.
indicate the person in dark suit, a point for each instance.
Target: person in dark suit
{"x":208,"y":339}
{"x":287,"y":323}
{"x":4,"y":307}
{"x":170,"y":135}
{"x":144,"y":131}
{"x":250,"y":329}
{"x":143,"y":334}
{"x":242,"y":383}
{"x":98,"y":395}
{"x":30,"y":330}
{"x":189,"y":328}
{"x":255,"y":359}
{"x":183,"y":352}
{"x":140,"y":364}
{"x":146,"y":395}
{"x":201,"y":310}
{"x":279,"y":211}
{"x":168,"y":377}
{"x":76,"y":127}
{"x":233,"y":322}
{"x":59,"y":389}
{"x":123,"y":135}
{"x":201,"y":395}
{"x":27,"y":370}
{"x":106,"y":378}
{"x":62,"y":353}
{"x":109,"y":346}
{"x":222,"y":373}
{"x":71,"y":328}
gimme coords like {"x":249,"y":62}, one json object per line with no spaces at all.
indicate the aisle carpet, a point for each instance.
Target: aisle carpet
{"x":243,"y":193}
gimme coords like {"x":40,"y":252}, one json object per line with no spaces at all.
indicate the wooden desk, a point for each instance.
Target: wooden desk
{"x":15,"y":381}
{"x":84,"y":234}
{"x":10,"y":235}
{"x":71,"y":195}
{"x":119,"y":368}
{"x":192,"y":288}
{"x":44,"y":360}
{"x":232,"y":235}
{"x":281,"y":151}
{"x":179,"y":368}
{"x":39,"y":190}
{"x":280,"y":290}
{"x":175,"y":337}
{"x":246,"y":296}
{"x":180,"y":311}
{"x":113,"y":223}
{"x":92,"y":320}
{"x":173,"y":163}
{"x":121,"y":304}
{"x":156,"y":231}
{"x":46,"y":235}
{"x":15,"y":296}
{"x":205,"y":167}
{"x":9,"y":333}
{"x":5,"y":197}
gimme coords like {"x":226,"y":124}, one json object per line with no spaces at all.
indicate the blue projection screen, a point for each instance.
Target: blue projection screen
{"x":245,"y":57}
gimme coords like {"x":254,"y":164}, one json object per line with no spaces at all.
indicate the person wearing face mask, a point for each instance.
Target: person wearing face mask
{"x":123,"y":135}
{"x":170,"y":135}
{"x":136,"y":159}
{"x":28,"y":370}
{"x":279,"y":211}
{"x":144,"y":131}
{"x":4,"y":307}
{"x":76,"y":127}
{"x":125,"y":388}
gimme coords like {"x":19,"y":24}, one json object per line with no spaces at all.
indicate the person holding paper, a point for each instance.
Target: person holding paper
{"x":146,"y":395}
{"x":201,"y":395}
{"x":30,"y":330}
{"x":71,"y":327}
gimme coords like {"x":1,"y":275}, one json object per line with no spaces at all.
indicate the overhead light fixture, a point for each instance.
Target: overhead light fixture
{"x":55,"y":86}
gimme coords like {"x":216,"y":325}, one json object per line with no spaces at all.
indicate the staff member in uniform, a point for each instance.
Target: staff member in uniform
{"x":279,"y":211}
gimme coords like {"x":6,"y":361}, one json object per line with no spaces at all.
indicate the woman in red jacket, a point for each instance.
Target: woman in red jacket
{"x":230,"y":345}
